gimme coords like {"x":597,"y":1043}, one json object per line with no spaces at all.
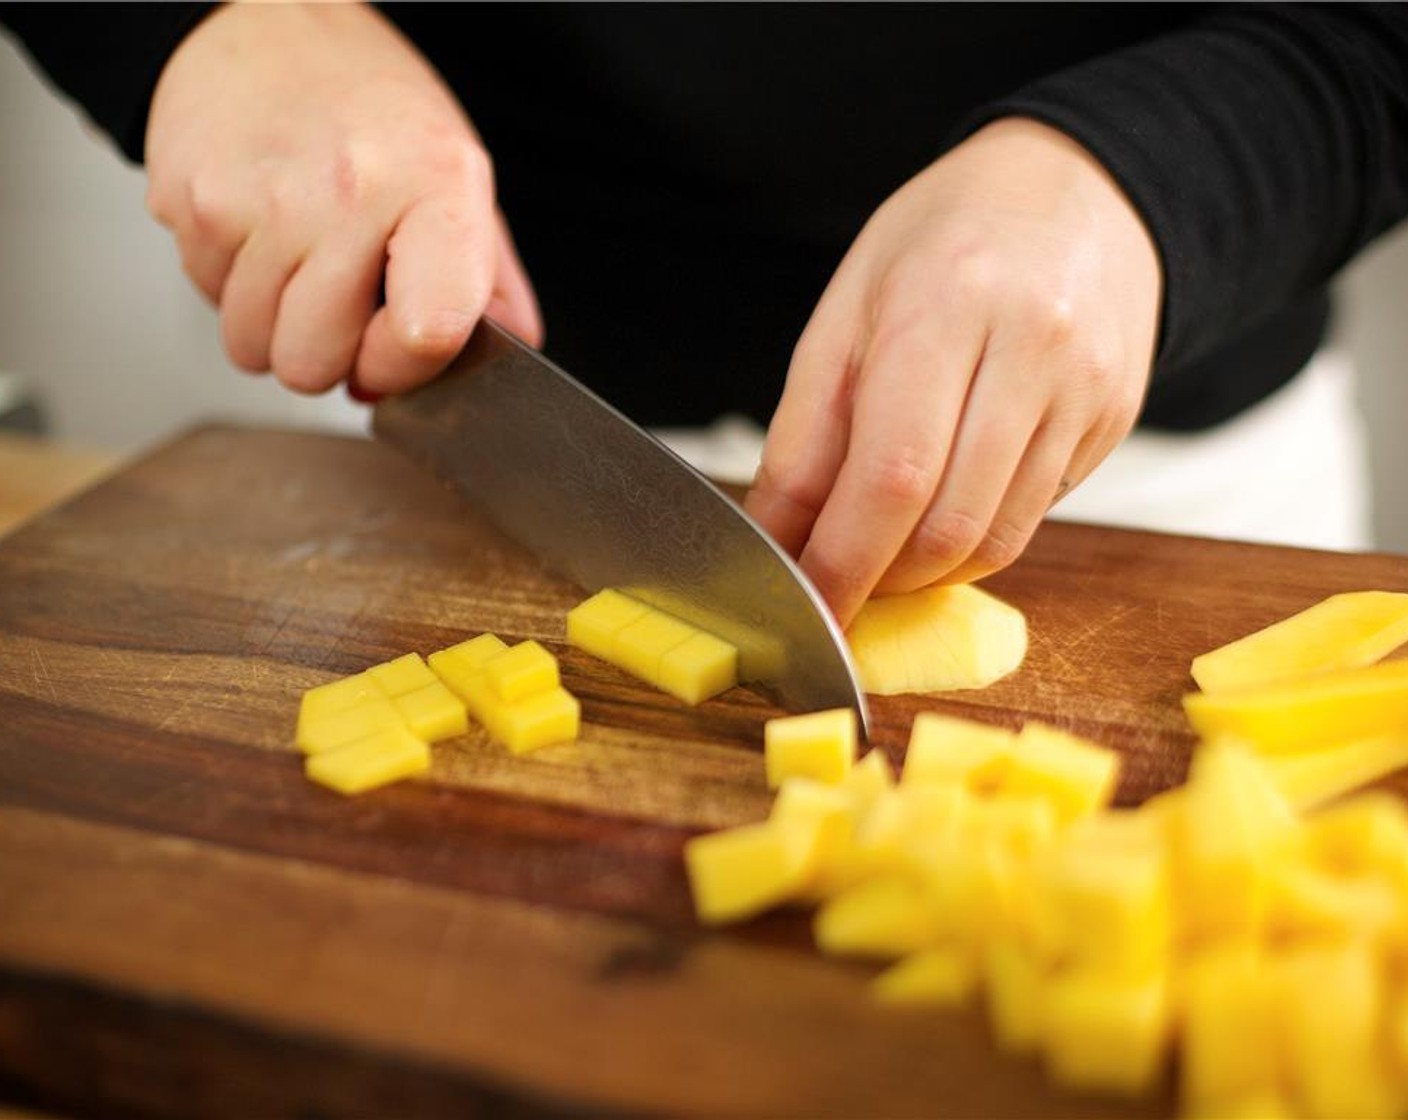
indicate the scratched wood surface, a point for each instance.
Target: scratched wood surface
{"x":187,"y":926}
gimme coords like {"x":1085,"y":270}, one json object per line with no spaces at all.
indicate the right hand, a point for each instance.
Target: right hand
{"x":306,"y":155}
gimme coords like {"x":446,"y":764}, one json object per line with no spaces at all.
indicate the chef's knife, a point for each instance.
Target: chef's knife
{"x":606,"y":504}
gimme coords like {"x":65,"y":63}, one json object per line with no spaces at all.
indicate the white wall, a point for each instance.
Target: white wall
{"x":95,"y":314}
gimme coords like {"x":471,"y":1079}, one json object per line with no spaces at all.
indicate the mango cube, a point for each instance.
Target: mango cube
{"x":405,"y":674}
{"x":1228,"y":1029}
{"x":520,"y":671}
{"x":1076,"y":775}
{"x":432,"y":713}
{"x":639,"y":646}
{"x":868,"y":779}
{"x":1308,"y":713}
{"x":1306,"y":902}
{"x":1015,"y":982}
{"x":740,"y":872}
{"x":337,"y":696}
{"x":592,"y":625}
{"x":936,"y":638}
{"x":829,"y":811}
{"x":945,"y":749}
{"x":820,"y":745}
{"x":318,"y":734}
{"x":537,"y":721}
{"x":1345,"y":631}
{"x":374,"y":760}
{"x":941,"y":977}
{"x":882,"y":917}
{"x":1105,"y":1032}
{"x":463,"y":662}
{"x":700,"y":667}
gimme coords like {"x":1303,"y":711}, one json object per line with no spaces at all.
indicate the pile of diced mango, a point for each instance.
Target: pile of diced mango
{"x":1247,"y":930}
{"x":375,"y":727}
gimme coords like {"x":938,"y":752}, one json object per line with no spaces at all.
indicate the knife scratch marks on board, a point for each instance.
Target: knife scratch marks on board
{"x":445,"y":960}
{"x":43,"y":678}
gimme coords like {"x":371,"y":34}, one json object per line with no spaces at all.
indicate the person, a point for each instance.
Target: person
{"x":997,"y":235}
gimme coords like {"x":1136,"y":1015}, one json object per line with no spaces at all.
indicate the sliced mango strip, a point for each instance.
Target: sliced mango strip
{"x":1311,"y":713}
{"x":1345,"y":631}
{"x":1311,"y":778}
{"x":657,"y":647}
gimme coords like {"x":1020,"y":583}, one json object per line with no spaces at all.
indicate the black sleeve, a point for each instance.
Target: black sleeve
{"x":1264,"y":146}
{"x":106,"y":56}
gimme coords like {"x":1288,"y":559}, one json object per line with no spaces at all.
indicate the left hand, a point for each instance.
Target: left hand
{"x":984,"y":344}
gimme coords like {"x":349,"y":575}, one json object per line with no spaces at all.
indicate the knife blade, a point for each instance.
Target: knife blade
{"x":606,"y":504}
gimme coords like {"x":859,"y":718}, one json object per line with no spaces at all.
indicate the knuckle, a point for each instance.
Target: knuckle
{"x":1055,"y":319}
{"x":901,"y":478}
{"x":358,"y":174}
{"x":947,"y":536}
{"x":1000,"y":546}
{"x":211,"y":210}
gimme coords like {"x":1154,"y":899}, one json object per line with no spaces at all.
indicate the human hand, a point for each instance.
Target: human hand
{"x":986,"y":341}
{"x":304,"y":155}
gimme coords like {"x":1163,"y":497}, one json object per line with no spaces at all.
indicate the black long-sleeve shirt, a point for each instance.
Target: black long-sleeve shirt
{"x":682,"y":180}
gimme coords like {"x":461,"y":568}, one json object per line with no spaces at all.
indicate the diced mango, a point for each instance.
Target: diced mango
{"x":384,"y":756}
{"x":432,"y":713}
{"x":882,"y":917}
{"x":868,"y":779}
{"x":1311,"y":778}
{"x":1103,"y":1031}
{"x":947,"y":749}
{"x":1304,"y":902}
{"x":337,"y":696}
{"x":405,"y":674}
{"x":1345,"y":631}
{"x":1330,"y":1001}
{"x":830,"y":811}
{"x":521,"y":671}
{"x":1310,"y":713}
{"x":1015,"y":983}
{"x":1076,"y":775}
{"x":740,"y":872}
{"x":876,"y":849}
{"x":1367,"y":833}
{"x":1228,"y":1048}
{"x":461,"y":663}
{"x":639,"y":646}
{"x":820,"y":745}
{"x":592,"y":625}
{"x":375,"y":713}
{"x":943,"y":976}
{"x":700,"y":667}
{"x":1232,"y":819}
{"x":537,"y":721}
{"x":1023,"y":825}
{"x":1107,"y":905}
{"x":936,"y":639}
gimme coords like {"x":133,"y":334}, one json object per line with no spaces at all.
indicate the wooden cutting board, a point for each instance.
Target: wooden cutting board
{"x":189,"y":927}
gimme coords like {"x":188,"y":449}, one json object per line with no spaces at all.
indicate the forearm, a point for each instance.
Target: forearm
{"x":1263,"y":147}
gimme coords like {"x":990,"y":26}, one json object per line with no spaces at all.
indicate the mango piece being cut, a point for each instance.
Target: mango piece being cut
{"x":820,"y":745}
{"x":936,"y":639}
{"x":1309,"y":713}
{"x":374,"y":760}
{"x":657,"y":647}
{"x":1345,"y":631}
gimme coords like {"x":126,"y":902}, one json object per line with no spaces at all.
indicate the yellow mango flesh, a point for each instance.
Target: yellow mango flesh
{"x":1312,"y":778}
{"x":743,"y":871}
{"x":1345,"y":631}
{"x":945,"y":749}
{"x":656,"y":647}
{"x":937,"y":977}
{"x":1102,"y":1031}
{"x":521,"y":671}
{"x":1228,"y":1026}
{"x":384,"y":756}
{"x":1078,"y":776}
{"x":936,"y":639}
{"x":819,"y":745}
{"x":1309,"y":713}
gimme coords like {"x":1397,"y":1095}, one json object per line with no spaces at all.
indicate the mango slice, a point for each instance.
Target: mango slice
{"x":1314,"y":777}
{"x":820,"y":745}
{"x":1308,"y":713}
{"x":1345,"y":631}
{"x":374,"y":760}
{"x":936,"y":639}
{"x":657,"y":647}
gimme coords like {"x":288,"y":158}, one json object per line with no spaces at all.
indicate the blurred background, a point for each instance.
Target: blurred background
{"x":104,"y":343}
